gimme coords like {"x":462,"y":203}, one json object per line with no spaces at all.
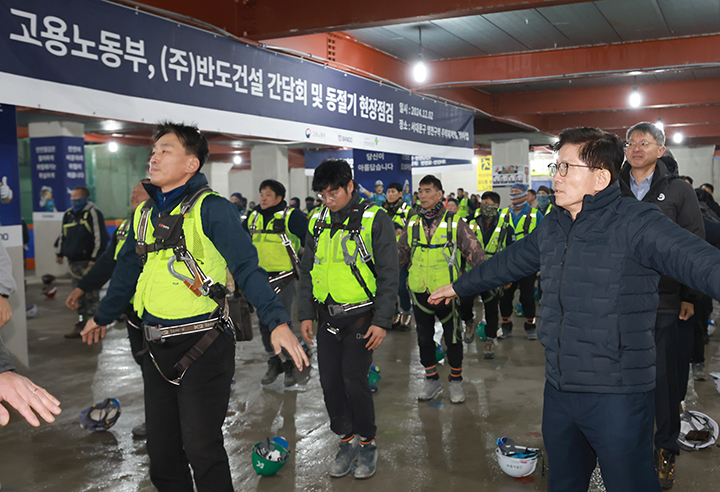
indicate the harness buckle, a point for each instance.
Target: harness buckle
{"x":335,"y":310}
{"x":152,"y":333}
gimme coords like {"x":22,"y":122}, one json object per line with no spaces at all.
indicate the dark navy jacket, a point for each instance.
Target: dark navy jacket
{"x":600,"y":287}
{"x":221,"y":224}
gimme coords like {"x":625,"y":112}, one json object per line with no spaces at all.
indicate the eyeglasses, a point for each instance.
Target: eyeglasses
{"x":328,"y":197}
{"x":643,"y":145}
{"x":562,"y":168}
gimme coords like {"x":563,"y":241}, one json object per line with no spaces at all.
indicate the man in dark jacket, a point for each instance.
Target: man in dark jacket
{"x":82,"y":241}
{"x":646,"y":177}
{"x":599,"y":256}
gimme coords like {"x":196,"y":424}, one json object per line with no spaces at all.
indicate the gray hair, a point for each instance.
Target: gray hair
{"x":647,"y":127}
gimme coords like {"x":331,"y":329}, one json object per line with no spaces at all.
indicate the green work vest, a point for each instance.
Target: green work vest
{"x":523,"y":226}
{"x":429,"y":268}
{"x":273,"y":256}
{"x":493,"y":246}
{"x":163,"y":295}
{"x":401,"y":215}
{"x":463,"y":207}
{"x":330,"y":274}
{"x":121,"y":237}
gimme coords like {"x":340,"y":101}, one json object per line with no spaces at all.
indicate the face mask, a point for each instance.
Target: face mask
{"x":543,"y":201}
{"x":488,"y":210}
{"x":79,"y":203}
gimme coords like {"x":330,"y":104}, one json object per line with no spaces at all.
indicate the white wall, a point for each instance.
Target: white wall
{"x":698,"y":163}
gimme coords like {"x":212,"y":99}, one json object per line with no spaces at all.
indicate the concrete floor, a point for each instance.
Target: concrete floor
{"x":423,"y":446}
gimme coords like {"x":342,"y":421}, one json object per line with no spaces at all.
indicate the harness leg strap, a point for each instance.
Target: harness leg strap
{"x":197,"y":350}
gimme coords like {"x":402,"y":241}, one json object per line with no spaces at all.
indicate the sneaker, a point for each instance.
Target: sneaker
{"x":366,"y":461}
{"x":140,"y":431}
{"x":404,"y":322}
{"x":345,"y":458}
{"x":431,"y":389}
{"x":275,"y":368}
{"x":395,"y":321}
{"x":76,"y":332}
{"x":506,"y":330}
{"x":530,"y":331}
{"x":469,"y":332}
{"x":289,"y":370}
{"x":665,"y":464}
{"x":699,"y":373}
{"x":711,"y":327}
{"x":489,"y":350}
{"x":457,"y":395}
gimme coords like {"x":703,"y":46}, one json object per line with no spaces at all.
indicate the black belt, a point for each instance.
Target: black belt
{"x":363,"y":318}
{"x":159,"y":333}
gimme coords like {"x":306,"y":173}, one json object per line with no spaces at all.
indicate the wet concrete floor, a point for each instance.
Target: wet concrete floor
{"x":423,"y":446}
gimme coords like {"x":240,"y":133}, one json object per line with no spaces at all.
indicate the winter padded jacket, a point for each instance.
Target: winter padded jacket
{"x":676,"y":199}
{"x":600,"y":277}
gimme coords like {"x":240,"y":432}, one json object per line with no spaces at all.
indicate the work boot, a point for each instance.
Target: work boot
{"x":275,"y":368}
{"x":530,"y":331}
{"x":366,"y":460}
{"x":489,"y":349}
{"x":505,"y":330}
{"x":469,"y":332}
{"x":289,"y":370}
{"x":457,"y":395}
{"x":665,"y":464}
{"x":140,"y":431}
{"x":431,"y":389}
{"x":345,"y":458}
{"x":76,"y":332}
{"x":699,"y":373}
{"x":404,"y":322}
{"x":395,"y":321}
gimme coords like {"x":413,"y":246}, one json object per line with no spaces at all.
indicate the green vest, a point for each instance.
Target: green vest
{"x":494,"y":244}
{"x":273,"y":256}
{"x":401,"y":215}
{"x":523,"y":226}
{"x":331,"y":274}
{"x":121,"y":237}
{"x":463,"y":207}
{"x":429,"y":267}
{"x":165,"y":296}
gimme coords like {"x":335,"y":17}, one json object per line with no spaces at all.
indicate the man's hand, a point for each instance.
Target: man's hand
{"x":92,"y":333}
{"x":376,"y":335}
{"x":445,"y":293}
{"x":282,"y":337}
{"x":306,"y":328}
{"x":59,"y":260}
{"x":5,"y":312}
{"x":687,"y":309}
{"x":25,"y":396}
{"x":74,"y":297}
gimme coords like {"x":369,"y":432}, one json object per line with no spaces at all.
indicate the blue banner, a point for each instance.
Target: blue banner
{"x":419,"y":161}
{"x":9,"y":173}
{"x":58,"y":166}
{"x":313,"y":158}
{"x":374,"y":171}
{"x":119,"y":50}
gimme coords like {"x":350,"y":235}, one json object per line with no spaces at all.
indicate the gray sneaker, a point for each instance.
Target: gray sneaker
{"x":469,"y":332}
{"x":699,"y":373}
{"x":345,"y":458}
{"x":366,"y":461}
{"x":431,"y":389}
{"x":457,"y":395}
{"x":489,"y":349}
{"x":531,"y":334}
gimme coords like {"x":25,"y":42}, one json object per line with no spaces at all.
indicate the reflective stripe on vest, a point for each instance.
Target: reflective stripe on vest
{"x":272,"y":254}
{"x":429,"y":268}
{"x":330,"y":274}
{"x":163,"y":295}
{"x":493,"y":245}
{"x":522,"y":227}
{"x":121,"y":237}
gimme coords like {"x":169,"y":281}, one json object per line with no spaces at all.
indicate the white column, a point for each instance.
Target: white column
{"x":47,"y":226}
{"x":218,"y":176}
{"x":267,"y":162}
{"x":298,"y":185}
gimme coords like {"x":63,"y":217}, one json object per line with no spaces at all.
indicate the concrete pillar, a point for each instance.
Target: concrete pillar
{"x":218,"y":176}
{"x":511,"y":153}
{"x":268,"y":162}
{"x":298,"y":185}
{"x":14,"y":333}
{"x":240,"y":181}
{"x":47,"y":224}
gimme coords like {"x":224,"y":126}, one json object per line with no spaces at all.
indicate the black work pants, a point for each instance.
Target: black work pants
{"x":492,"y":319}
{"x":527,"y":297}
{"x":343,"y":365}
{"x":466,"y":308}
{"x":667,"y":392}
{"x":286,"y":296}
{"x":684,"y":344}
{"x":425,"y":325}
{"x":184,"y":423}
